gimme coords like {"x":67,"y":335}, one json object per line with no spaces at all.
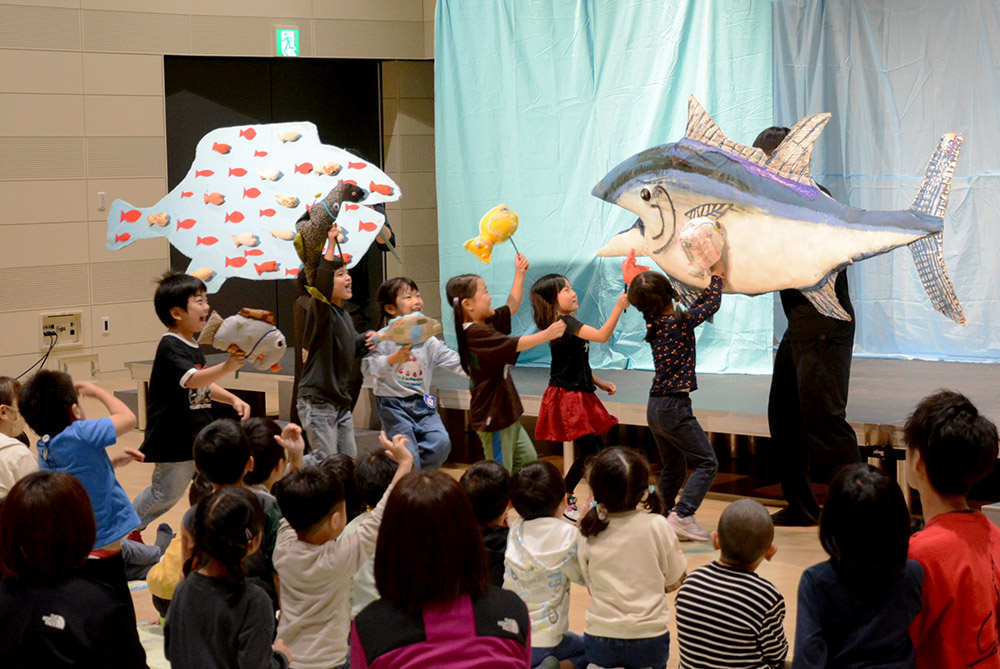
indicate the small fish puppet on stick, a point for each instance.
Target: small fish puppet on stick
{"x":312,"y":227}
{"x":497,"y":225}
{"x":251,"y":331}
{"x":411,"y":330}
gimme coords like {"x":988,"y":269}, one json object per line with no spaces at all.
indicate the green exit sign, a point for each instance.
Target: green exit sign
{"x":287,"y":41}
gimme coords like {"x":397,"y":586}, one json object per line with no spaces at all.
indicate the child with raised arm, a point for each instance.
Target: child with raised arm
{"x":487,"y":351}
{"x":332,"y":343}
{"x":949,"y":447}
{"x":316,"y":569}
{"x":679,"y":438}
{"x":70,"y":443}
{"x":727,"y":615}
{"x":570,"y":410}
{"x":630,"y":560}
{"x":181,"y":390}
{"x":402,"y":376}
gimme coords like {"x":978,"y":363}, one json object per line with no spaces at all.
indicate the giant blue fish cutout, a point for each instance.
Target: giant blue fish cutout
{"x":234,"y":213}
{"x":780,"y":230}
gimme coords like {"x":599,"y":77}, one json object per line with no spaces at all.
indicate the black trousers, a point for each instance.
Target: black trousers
{"x":806,"y":414}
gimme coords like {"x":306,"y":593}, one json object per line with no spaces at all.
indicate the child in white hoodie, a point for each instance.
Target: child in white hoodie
{"x":541,"y":560}
{"x":16,"y":461}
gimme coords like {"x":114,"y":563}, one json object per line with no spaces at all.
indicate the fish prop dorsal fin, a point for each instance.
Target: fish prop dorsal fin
{"x":824,"y":298}
{"x":258,"y":315}
{"x":713,"y":210}
{"x":702,"y":128}
{"x":207,"y":335}
{"x":793,"y":156}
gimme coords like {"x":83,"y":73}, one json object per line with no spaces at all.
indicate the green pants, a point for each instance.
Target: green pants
{"x":510,"y":446}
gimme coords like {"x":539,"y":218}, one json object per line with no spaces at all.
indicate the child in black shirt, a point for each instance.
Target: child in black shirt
{"x":570,"y":410}
{"x":181,"y":390}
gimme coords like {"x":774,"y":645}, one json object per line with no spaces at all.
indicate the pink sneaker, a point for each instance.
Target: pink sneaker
{"x":686,"y":528}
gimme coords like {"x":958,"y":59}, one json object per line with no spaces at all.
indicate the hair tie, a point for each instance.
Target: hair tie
{"x":651,"y":489}
{"x":602,"y":511}
{"x":454,"y":301}
{"x":593,"y":504}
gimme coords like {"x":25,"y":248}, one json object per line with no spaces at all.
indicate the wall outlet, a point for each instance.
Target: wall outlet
{"x":105,"y":326}
{"x":64,"y":328}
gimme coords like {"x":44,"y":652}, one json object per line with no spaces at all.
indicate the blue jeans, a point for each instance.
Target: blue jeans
{"x":682,"y":444}
{"x":410,"y":416}
{"x":628,"y":653}
{"x":570,"y":647}
{"x":170,"y":480}
{"x":329,"y":428}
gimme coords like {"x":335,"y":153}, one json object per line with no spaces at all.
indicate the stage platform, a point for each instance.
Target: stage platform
{"x":882,"y":394}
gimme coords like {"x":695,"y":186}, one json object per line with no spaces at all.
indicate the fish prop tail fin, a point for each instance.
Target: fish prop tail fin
{"x":480,"y":248}
{"x":928,"y":257}
{"x":932,"y":200}
{"x":207,"y":335}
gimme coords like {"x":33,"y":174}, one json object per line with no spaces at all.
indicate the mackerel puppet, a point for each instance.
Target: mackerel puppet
{"x":781,"y":231}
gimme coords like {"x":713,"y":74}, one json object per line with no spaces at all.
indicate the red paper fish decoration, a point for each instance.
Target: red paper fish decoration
{"x":214,"y":198}
{"x":381,"y":189}
{"x":186,"y":224}
{"x":351,"y":207}
{"x":205,"y":241}
{"x":346,"y":257}
{"x":267,"y":212}
{"x":269,"y":266}
{"x":304,"y":168}
{"x":356,"y":166}
{"x":250,"y":192}
{"x":237,"y":172}
{"x":124,"y":237}
{"x":131,"y":215}
{"x":351,"y":181}
{"x":259,"y":154}
{"x":366,"y":227}
{"x":186,"y":193}
{"x":234,"y":217}
{"x":204,"y":173}
{"x":253,"y":252}
{"x":292,"y":272}
{"x":220,"y":148}
{"x":249,"y":133}
{"x":236,"y":262}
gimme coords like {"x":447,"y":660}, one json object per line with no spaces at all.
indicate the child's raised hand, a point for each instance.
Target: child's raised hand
{"x":234,"y":361}
{"x":86,"y":389}
{"x":556,"y":330}
{"x":399,"y":357}
{"x":333,"y":234}
{"x":622,"y":302}
{"x":396,"y":449}
{"x":520,"y":264}
{"x":719,"y":269}
{"x":291,"y":439}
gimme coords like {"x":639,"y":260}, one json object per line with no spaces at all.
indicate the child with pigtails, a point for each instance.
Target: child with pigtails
{"x":630,"y":560}
{"x":487,"y":350}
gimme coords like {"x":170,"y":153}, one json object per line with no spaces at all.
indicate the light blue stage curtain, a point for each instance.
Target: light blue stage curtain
{"x":535,"y":101}
{"x":897,"y":76}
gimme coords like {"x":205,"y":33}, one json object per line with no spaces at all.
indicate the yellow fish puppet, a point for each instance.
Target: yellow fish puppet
{"x":497,"y":225}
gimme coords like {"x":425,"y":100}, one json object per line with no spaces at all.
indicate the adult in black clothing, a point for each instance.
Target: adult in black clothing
{"x":50,"y":616}
{"x":807,"y":406}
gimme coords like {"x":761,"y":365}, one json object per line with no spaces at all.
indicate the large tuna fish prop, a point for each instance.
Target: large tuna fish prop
{"x":780,"y":230}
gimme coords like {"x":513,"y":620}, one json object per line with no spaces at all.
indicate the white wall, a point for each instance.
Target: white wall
{"x":81,"y":112}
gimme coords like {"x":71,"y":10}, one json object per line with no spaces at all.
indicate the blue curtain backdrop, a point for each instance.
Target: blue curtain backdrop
{"x":896,"y":76}
{"x":535,"y":100}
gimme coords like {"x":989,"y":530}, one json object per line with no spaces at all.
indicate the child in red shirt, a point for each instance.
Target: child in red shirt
{"x":949,"y":448}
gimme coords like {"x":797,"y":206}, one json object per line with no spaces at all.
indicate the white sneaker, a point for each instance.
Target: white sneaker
{"x":687,"y":528}
{"x":572,"y":513}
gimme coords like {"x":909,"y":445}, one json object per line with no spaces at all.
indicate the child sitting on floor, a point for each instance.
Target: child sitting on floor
{"x":855,"y":608}
{"x":727,"y":615}
{"x":315,"y":568}
{"x":541,"y":561}
{"x":487,"y":483}
{"x":275,"y":452}
{"x":951,"y":446}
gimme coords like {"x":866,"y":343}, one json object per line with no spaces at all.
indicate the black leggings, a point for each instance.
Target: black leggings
{"x":585,"y":448}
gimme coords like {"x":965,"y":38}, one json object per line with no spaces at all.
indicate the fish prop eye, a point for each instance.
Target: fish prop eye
{"x":646,"y":195}
{"x":481,"y":248}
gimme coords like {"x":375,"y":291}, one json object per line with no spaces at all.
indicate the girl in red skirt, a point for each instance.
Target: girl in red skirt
{"x":570,"y":409}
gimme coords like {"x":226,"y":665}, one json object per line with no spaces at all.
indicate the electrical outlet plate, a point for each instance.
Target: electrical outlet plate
{"x":67,"y":324}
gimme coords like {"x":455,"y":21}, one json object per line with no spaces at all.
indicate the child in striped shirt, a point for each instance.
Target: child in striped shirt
{"x":727,"y":615}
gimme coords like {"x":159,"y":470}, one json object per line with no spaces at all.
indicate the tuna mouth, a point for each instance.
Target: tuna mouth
{"x":660,"y":201}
